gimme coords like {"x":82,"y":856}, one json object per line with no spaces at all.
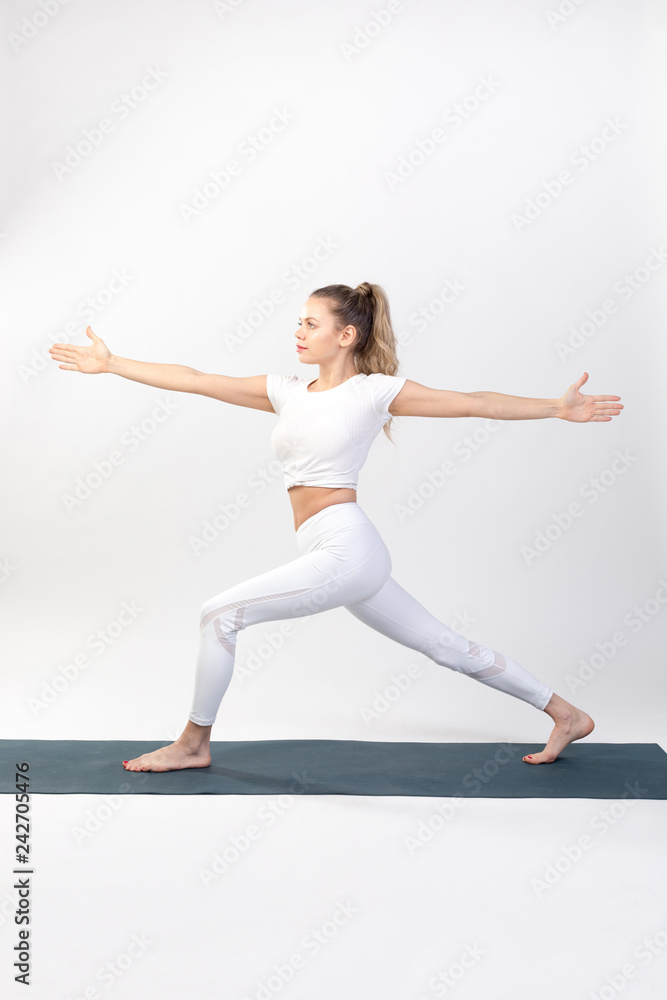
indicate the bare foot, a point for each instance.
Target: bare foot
{"x":174,"y":757}
{"x":191,"y":749}
{"x":570,"y":724}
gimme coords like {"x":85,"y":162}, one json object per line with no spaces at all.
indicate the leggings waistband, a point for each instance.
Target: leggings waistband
{"x":331,"y":518}
{"x":321,"y":514}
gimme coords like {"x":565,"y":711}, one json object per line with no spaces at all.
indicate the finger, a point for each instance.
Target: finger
{"x":62,"y":356}
{"x":596,"y":398}
{"x":69,"y":368}
{"x":66,"y":347}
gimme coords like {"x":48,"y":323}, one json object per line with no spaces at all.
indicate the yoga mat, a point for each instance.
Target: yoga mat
{"x":344,"y":767}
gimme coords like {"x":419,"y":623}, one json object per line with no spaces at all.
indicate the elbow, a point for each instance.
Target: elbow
{"x":193,"y":383}
{"x":475,"y":405}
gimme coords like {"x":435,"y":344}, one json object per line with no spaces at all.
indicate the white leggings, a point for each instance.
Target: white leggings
{"x":343,"y":561}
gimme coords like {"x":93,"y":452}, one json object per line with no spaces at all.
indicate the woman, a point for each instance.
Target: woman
{"x":325,"y":428}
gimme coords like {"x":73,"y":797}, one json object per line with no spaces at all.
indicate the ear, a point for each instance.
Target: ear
{"x":347,"y":336}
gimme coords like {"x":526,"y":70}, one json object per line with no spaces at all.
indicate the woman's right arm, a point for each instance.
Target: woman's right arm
{"x":96,"y":358}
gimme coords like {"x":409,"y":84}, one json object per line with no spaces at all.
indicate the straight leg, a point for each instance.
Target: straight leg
{"x":396,"y":614}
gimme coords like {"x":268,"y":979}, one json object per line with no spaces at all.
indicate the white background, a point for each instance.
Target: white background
{"x":119,"y":114}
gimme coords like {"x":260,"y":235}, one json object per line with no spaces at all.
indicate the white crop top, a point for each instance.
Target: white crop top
{"x":323,"y":438}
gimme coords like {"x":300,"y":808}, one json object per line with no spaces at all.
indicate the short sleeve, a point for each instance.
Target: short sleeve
{"x":278,"y":387}
{"x":383,"y":390}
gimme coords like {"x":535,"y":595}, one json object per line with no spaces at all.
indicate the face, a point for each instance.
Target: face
{"x":317,"y":339}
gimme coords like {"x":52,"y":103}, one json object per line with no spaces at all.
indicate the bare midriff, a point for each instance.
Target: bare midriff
{"x":308,"y":500}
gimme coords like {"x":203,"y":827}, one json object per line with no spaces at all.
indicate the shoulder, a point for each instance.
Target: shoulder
{"x":278,"y":388}
{"x":283,"y":380}
{"x":381,"y":380}
{"x":383,"y":389}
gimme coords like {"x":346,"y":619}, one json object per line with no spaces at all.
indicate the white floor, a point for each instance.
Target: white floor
{"x":342,"y":897}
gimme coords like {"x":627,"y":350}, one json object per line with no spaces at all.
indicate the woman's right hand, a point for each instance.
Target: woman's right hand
{"x":92,"y":359}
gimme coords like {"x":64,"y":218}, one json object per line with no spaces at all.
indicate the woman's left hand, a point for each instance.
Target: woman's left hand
{"x":574,"y":405}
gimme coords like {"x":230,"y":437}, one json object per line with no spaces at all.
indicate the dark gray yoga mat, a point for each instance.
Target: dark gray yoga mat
{"x":344,"y":767}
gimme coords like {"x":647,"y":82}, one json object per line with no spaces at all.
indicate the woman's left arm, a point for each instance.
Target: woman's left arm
{"x":419,"y":400}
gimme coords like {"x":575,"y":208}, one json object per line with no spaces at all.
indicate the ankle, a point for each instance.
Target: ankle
{"x":560,"y":710}
{"x":190,"y":742}
{"x":194,"y":741}
{"x":195,"y":732}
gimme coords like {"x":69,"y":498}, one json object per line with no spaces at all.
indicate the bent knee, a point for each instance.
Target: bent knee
{"x":223,"y":614}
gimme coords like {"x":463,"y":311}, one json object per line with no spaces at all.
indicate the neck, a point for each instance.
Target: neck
{"x":330,"y":377}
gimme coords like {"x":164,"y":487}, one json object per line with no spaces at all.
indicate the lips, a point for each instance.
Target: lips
{"x":301,"y":348}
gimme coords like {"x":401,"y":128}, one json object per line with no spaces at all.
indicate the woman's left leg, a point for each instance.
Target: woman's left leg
{"x":396,"y":614}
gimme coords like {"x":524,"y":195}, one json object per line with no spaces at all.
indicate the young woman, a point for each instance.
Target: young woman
{"x":324,"y":431}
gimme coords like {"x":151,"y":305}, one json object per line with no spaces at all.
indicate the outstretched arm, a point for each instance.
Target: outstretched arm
{"x":96,"y":358}
{"x":416,"y":400}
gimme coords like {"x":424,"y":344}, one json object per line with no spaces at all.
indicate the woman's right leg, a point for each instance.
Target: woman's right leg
{"x":343,"y":560}
{"x":289,"y":591}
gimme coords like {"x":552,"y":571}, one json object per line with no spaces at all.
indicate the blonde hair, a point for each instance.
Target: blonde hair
{"x":366,"y":308}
